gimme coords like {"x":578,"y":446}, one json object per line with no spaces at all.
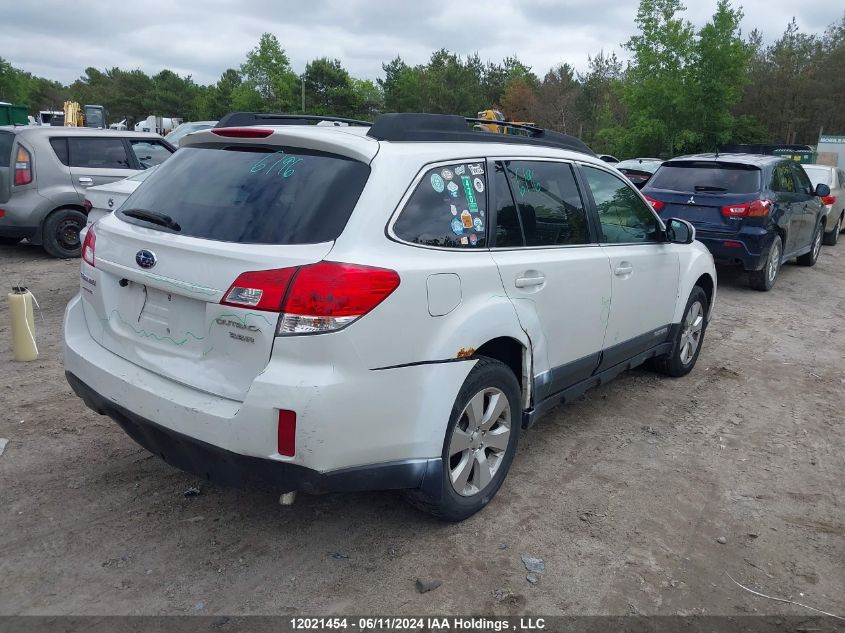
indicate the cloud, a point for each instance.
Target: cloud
{"x":205,"y":38}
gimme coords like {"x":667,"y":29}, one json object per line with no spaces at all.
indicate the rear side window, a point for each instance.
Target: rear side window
{"x":6,"y":142}
{"x":782,"y":180}
{"x":98,"y":153}
{"x":706,"y":176}
{"x":549,"y":203}
{"x":59,"y":146}
{"x":447,"y":209}
{"x":253,"y":195}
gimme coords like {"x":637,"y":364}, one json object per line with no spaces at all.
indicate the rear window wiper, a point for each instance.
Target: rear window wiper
{"x":153,"y":217}
{"x":709,"y":188}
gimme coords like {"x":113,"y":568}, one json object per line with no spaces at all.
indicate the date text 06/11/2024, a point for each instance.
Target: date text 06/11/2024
{"x":456,"y":623}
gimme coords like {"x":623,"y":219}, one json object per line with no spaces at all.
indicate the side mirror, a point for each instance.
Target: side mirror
{"x":822,"y":190}
{"x":679,"y":231}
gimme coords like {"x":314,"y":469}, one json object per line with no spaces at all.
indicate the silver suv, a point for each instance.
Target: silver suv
{"x":44,"y":172}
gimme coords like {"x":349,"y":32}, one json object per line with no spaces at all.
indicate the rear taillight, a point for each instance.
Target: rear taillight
{"x":329,"y":295}
{"x":655,"y":204}
{"x":87,"y":205}
{"x":321,"y":297}
{"x":260,"y":289}
{"x":753,"y":209}
{"x":828,"y":200}
{"x":88,"y":246}
{"x":242,"y":132}
{"x":23,"y":167}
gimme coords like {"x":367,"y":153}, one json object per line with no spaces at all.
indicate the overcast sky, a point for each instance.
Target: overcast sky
{"x":202,"y":38}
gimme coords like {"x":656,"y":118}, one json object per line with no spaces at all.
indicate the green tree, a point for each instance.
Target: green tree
{"x":267,"y":72}
{"x":719,"y":66}
{"x":329,"y":89}
{"x":657,"y":80}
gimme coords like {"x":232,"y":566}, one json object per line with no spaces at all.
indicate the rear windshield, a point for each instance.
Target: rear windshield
{"x":818,"y":175}
{"x":253,"y":195}
{"x":706,"y":176}
{"x":6,"y":140}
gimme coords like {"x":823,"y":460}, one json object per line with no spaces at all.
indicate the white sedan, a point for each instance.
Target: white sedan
{"x":103,"y":199}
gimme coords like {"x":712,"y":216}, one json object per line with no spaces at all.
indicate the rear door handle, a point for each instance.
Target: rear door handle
{"x":623,"y":269}
{"x":85,"y":181}
{"x":537,"y":279}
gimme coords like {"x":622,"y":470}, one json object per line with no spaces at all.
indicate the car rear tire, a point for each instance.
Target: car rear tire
{"x":830,"y":239}
{"x":61,"y":233}
{"x":9,"y":241}
{"x":688,"y":341}
{"x":764,"y":279}
{"x":810,"y":259}
{"x":480,"y":444}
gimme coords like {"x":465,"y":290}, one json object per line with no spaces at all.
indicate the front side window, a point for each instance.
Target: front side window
{"x":624,"y":217}
{"x":98,"y":153}
{"x":448,"y":208}
{"x":804,"y":185}
{"x":549,"y":203}
{"x":150,"y":153}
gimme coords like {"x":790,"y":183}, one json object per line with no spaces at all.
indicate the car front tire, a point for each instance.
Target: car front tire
{"x":810,"y":259}
{"x":764,"y":279}
{"x":688,"y":340}
{"x":480,"y":444}
{"x":830,"y":239}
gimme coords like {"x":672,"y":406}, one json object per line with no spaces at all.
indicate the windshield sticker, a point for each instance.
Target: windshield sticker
{"x":460,"y":170}
{"x":478,"y":184}
{"x":457,"y":227}
{"x":437,"y":183}
{"x":454,"y":209}
{"x":466,"y":219}
{"x":287,"y":164}
{"x":473,"y":239}
{"x":470,"y":194}
{"x":453,"y":189}
{"x":476,"y":170}
{"x":447,"y":174}
{"x":478,"y":224}
{"x":464,"y":240}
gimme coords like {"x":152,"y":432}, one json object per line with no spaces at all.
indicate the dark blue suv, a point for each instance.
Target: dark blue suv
{"x":757,"y":211}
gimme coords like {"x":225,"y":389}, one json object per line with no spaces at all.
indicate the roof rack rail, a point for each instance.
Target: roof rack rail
{"x":247,"y":119}
{"x":412,"y":126}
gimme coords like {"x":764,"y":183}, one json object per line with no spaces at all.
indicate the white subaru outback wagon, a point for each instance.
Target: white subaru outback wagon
{"x":374,"y":307}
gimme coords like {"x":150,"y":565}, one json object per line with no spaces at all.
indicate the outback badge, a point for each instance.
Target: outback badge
{"x":145,"y":258}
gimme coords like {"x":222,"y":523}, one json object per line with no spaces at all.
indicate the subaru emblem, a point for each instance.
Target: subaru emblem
{"x":145,"y":258}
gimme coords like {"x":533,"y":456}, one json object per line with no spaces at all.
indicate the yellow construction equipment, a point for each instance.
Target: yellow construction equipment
{"x":495,"y":115}
{"x":73,"y":114}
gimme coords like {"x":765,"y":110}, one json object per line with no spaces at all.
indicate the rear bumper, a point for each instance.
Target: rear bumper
{"x":749,"y":249}
{"x":232,"y":469}
{"x":23,"y":213}
{"x":348,"y":420}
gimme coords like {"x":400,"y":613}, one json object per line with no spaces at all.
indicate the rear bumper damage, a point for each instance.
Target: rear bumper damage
{"x":232,"y":469}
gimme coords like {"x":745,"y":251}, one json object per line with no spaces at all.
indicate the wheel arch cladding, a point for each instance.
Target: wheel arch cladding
{"x":706,"y":283}
{"x":698,"y":271}
{"x":508,"y":351}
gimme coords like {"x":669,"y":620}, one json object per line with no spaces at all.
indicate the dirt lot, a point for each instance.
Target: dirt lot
{"x":626,"y":495}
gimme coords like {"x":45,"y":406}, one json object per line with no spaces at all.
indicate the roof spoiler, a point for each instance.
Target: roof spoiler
{"x":247,"y":119}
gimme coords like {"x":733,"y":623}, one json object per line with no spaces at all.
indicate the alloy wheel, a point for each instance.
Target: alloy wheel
{"x":774,"y":263}
{"x":817,"y":243}
{"x":479,"y":441}
{"x":691,"y":334}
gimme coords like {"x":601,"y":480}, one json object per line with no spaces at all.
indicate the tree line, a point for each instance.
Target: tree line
{"x":685,"y":89}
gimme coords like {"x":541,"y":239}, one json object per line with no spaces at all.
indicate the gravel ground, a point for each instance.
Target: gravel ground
{"x":640,"y":498}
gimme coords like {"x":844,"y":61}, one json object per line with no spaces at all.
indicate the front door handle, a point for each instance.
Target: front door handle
{"x":623,"y":269}
{"x":85,"y":181}
{"x":526,"y":281}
